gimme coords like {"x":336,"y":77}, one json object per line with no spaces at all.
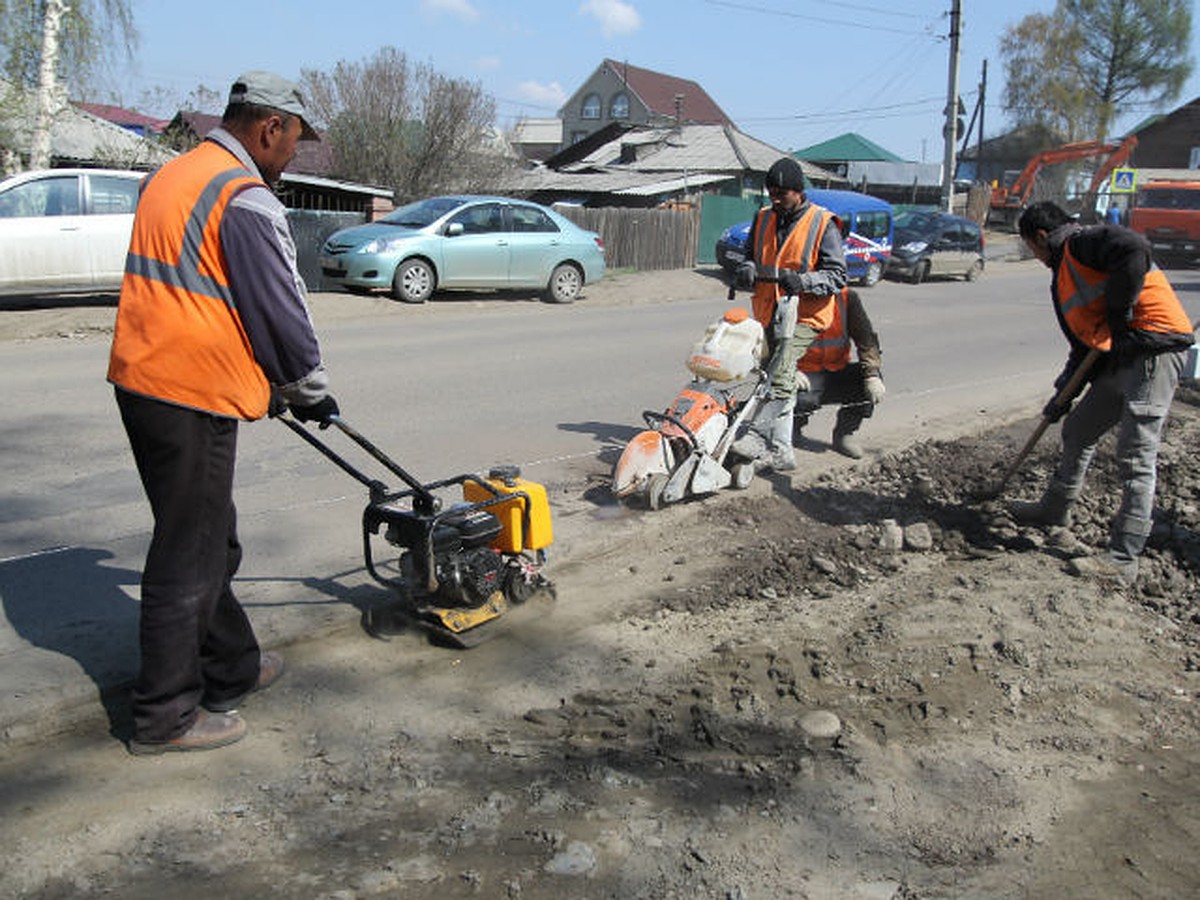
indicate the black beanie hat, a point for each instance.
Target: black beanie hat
{"x":786,"y":173}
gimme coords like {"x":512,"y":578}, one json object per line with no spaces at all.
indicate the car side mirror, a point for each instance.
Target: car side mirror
{"x":454,"y":229}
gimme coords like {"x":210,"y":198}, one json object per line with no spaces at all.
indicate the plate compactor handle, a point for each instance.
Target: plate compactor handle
{"x":422,"y":497}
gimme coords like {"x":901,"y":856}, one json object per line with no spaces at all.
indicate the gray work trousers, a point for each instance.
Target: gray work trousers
{"x":1135,"y":398}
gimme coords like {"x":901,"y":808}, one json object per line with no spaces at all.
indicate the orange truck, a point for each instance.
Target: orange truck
{"x":1168,"y":214}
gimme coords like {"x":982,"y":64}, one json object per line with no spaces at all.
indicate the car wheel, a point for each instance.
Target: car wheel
{"x":873,"y":274}
{"x":975,"y":271}
{"x":920,"y":272}
{"x":565,"y":283}
{"x":413,"y":282}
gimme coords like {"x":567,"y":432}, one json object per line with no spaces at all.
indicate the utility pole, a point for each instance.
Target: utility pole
{"x":979,"y":145}
{"x":950,"y":130}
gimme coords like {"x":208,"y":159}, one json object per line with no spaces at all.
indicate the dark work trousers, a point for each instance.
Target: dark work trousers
{"x":196,"y":642}
{"x":844,"y":387}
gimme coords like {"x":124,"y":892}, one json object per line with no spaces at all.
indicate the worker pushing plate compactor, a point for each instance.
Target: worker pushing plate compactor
{"x":461,"y":567}
{"x":685,"y":451}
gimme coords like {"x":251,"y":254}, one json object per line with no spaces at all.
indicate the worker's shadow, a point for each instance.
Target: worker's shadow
{"x":66,"y":601}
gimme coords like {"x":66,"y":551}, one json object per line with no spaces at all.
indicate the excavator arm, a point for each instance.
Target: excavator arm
{"x":1010,"y":200}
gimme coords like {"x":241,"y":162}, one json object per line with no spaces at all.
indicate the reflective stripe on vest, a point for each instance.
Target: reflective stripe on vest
{"x":799,"y":254}
{"x":1081,"y":294}
{"x":178,"y":335}
{"x":830,"y":350}
{"x":186,"y":273}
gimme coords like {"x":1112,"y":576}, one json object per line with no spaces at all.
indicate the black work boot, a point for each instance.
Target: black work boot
{"x":845,"y":443}
{"x":799,"y":420}
{"x":1053,"y":510}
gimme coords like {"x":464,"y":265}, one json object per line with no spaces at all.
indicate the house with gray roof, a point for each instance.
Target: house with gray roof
{"x":77,"y":136}
{"x":649,"y":165}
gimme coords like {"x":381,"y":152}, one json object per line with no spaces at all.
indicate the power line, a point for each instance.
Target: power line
{"x":844,"y":112}
{"x":747,"y":7}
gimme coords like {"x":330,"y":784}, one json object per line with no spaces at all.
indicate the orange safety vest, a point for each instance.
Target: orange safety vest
{"x":1081,"y":290}
{"x":799,"y":252}
{"x":178,"y":335}
{"x":830,"y":350}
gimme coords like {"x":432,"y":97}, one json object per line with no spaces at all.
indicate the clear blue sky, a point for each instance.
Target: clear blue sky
{"x":789,"y":72}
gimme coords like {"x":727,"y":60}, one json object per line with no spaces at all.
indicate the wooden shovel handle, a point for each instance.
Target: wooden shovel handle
{"x":1063,"y":396}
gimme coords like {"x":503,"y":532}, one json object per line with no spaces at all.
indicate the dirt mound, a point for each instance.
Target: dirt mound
{"x":865,"y":686}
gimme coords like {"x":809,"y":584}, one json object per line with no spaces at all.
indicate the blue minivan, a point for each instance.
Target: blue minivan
{"x":867,"y":233}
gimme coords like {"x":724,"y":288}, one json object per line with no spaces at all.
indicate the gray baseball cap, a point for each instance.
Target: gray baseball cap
{"x":269,"y":89}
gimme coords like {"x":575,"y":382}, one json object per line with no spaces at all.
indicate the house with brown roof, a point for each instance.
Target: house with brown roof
{"x":630,"y":95}
{"x":141,"y":125}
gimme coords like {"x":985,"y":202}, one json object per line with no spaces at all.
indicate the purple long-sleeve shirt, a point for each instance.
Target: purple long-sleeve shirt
{"x":268,"y":292}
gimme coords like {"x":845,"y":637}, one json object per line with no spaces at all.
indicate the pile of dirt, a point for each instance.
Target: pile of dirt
{"x":863,"y":686}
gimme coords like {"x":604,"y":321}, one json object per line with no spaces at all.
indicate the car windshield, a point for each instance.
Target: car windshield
{"x":1169,"y":198}
{"x":423,"y":212}
{"x":915,"y":222}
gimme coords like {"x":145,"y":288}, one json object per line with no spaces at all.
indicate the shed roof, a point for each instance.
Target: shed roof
{"x":847,"y":147}
{"x":78,"y":137}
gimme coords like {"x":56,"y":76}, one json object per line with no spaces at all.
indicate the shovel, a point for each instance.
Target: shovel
{"x":1064,"y":396}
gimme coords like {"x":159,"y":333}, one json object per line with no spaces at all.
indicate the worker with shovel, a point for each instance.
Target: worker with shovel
{"x":797,"y":265}
{"x":1120,"y":316}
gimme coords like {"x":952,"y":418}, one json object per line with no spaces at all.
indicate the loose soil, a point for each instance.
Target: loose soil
{"x":866,"y":684}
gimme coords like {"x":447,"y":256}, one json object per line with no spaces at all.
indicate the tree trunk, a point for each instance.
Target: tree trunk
{"x":49,"y":99}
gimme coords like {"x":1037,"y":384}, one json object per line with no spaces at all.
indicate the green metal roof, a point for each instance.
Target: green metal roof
{"x":846,"y":147}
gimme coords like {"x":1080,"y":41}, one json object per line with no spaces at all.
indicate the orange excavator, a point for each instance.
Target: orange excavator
{"x":1008,"y":200}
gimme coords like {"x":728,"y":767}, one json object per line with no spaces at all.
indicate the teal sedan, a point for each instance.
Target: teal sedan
{"x":465,"y":243}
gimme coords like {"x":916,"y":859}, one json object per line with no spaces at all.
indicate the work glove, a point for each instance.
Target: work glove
{"x":1124,"y":348}
{"x":322,"y":412}
{"x":1054,"y":411}
{"x":873,"y":385}
{"x":276,"y":405}
{"x":803,"y":385}
{"x":792,"y":282}
{"x":744,"y":275}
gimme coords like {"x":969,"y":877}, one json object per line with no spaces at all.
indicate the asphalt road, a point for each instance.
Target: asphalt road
{"x":454,"y":386}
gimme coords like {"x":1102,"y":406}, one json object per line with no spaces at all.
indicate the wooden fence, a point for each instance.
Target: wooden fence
{"x":641,"y":239}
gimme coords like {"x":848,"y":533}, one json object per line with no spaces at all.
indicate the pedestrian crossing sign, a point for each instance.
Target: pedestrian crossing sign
{"x":1124,"y":181}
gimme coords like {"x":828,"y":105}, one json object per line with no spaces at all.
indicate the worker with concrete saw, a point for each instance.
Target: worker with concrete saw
{"x":1109,"y":297}
{"x":796,"y":266}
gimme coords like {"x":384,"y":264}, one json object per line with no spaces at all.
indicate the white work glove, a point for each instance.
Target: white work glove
{"x":873,"y":385}
{"x":803,"y":385}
